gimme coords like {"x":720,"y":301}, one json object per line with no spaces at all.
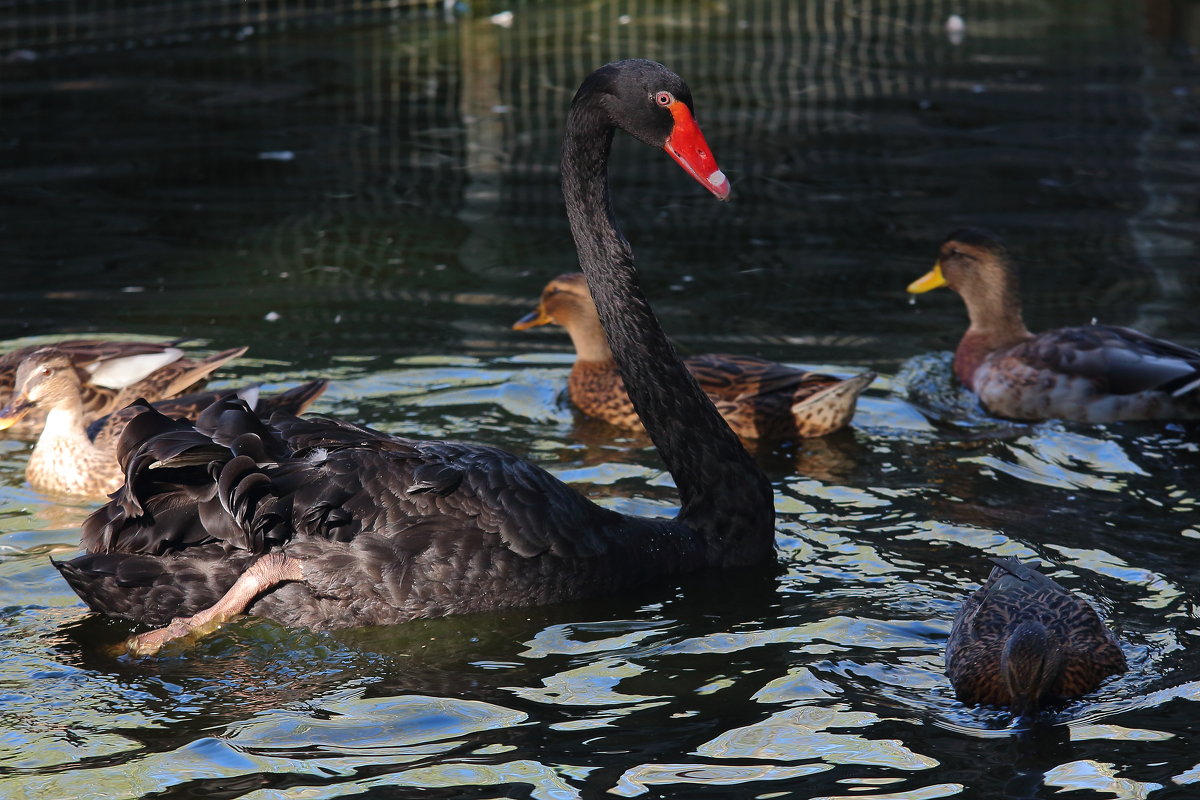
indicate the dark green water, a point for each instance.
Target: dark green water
{"x":371,"y":195}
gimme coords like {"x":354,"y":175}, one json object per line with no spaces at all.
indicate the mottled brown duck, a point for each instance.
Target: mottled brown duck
{"x":1023,"y":641}
{"x":759,"y":399}
{"x":74,"y":459}
{"x":114,"y":374}
{"x":324,"y":523}
{"x":1094,"y":373}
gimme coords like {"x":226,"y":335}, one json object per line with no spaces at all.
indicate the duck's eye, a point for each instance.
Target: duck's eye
{"x":664,"y":98}
{"x":47,"y":370}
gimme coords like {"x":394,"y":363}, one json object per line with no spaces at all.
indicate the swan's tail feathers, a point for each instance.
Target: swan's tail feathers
{"x":152,"y":589}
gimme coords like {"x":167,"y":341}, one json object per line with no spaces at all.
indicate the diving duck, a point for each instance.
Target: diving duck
{"x":79,"y":460}
{"x":1022,"y":641}
{"x":759,"y":399}
{"x":1095,"y":373}
{"x":324,"y":523}
{"x":114,"y":374}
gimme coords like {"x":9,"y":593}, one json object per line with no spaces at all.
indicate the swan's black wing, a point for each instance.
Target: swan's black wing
{"x":252,"y":486}
{"x":105,"y":431}
{"x":388,"y":528}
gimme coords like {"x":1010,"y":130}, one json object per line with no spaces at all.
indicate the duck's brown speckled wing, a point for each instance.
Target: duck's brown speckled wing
{"x":388,"y":528}
{"x":1013,"y":593}
{"x":178,"y":377}
{"x":737,"y":377}
{"x":82,"y":352}
{"x":1118,"y":360}
{"x":766,"y":399}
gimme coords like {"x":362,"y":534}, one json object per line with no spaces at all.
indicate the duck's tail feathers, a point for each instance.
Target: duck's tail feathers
{"x":191,"y":375}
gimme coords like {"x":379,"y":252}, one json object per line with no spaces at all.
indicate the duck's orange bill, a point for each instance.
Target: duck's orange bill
{"x":934,"y":279}
{"x":532,"y":320}
{"x":12,"y":413}
{"x":687,"y":146}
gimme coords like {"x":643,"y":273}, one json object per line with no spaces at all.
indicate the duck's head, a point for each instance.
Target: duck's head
{"x":1031,"y":665}
{"x":975,"y":264}
{"x":654,"y":105}
{"x":566,"y":301}
{"x":44,"y":379}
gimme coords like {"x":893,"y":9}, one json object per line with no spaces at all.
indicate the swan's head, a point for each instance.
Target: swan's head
{"x":653,"y":104}
{"x":44,"y":378}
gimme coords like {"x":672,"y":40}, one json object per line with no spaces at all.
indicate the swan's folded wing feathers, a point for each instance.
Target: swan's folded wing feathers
{"x":229,"y":421}
{"x":343,"y":480}
{"x":438,"y":478}
{"x":307,"y":433}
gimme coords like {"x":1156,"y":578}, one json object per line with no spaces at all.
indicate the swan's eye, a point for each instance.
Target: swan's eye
{"x":664,"y":98}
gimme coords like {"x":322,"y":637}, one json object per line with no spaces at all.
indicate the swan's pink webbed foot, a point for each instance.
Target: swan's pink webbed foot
{"x":266,"y":573}
{"x":150,"y":642}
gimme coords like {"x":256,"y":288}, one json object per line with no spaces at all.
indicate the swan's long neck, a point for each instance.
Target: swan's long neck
{"x":723,"y":494}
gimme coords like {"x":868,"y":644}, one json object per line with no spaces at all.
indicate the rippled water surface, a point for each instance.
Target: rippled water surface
{"x":370,"y":194}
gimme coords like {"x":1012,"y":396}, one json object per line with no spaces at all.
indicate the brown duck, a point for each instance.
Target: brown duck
{"x":1095,"y":373}
{"x":71,"y":458}
{"x":114,"y":374}
{"x":1021,"y":641}
{"x":759,"y":399}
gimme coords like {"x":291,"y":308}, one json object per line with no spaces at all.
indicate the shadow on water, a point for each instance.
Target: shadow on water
{"x":370,"y":194}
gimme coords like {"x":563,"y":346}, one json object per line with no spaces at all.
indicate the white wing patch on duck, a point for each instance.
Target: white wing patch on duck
{"x":117,"y":373}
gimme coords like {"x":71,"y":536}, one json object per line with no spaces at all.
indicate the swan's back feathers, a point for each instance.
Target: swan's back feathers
{"x":106,"y":431}
{"x":251,"y":486}
{"x":498,"y":492}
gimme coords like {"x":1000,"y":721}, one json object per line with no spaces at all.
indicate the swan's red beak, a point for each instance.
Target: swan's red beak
{"x":687,"y":146}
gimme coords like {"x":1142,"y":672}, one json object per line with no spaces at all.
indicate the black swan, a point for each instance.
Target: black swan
{"x":321,"y":523}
